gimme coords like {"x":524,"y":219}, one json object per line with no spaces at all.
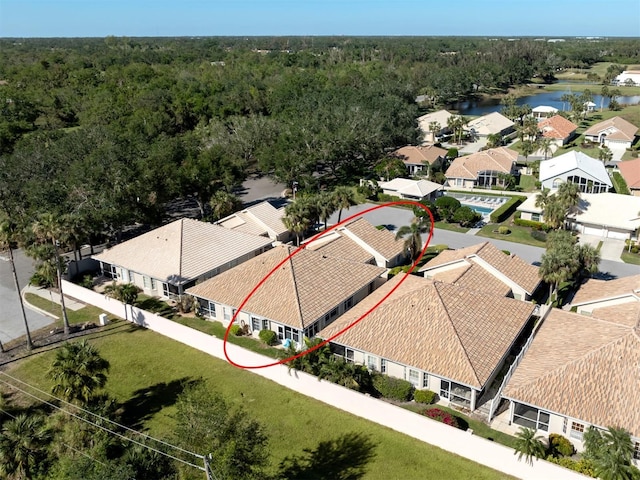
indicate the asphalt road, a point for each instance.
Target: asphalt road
{"x":11,"y":323}
{"x":394,"y":218}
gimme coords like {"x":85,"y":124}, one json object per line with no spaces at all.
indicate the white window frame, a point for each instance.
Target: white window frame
{"x":425,"y":380}
{"x":383,"y":365}
{"x":132,"y":277}
{"x":372,"y":362}
{"x":414,"y":377}
{"x":225,"y":314}
{"x":146,"y":281}
{"x":212,"y":309}
{"x":575,"y":433}
{"x":349,"y":355}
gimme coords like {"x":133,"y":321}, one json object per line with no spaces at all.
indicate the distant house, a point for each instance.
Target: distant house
{"x":408,"y":189}
{"x":432,"y":334}
{"x":607,"y":215}
{"x":262,"y":219}
{"x":484,"y":268}
{"x":628,"y":78}
{"x":166,"y":261}
{"x":630,"y":171}
{"x":360,"y":241}
{"x":543,"y":111}
{"x":305,"y":293}
{"x":558,"y":129}
{"x":490,"y":124}
{"x":441,"y":117}
{"x":579,"y":372}
{"x":419,"y":160}
{"x":613,"y":133}
{"x":588,"y":107}
{"x":615,"y":300}
{"x":587,"y":172}
{"x":481,"y":169}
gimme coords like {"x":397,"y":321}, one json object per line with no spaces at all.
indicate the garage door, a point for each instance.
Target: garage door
{"x":618,"y":234}
{"x":593,"y":231}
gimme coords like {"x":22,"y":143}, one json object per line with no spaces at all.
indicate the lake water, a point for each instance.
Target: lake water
{"x":551,"y":99}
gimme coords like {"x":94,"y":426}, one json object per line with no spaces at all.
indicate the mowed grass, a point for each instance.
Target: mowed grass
{"x":147,"y":371}
{"x":518,"y":234}
{"x":85,"y":314}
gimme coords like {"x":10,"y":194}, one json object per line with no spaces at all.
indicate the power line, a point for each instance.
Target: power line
{"x":105,"y":428}
{"x":124,"y":427}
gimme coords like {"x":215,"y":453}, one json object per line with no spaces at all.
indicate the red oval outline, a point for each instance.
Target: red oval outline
{"x":363,"y":316}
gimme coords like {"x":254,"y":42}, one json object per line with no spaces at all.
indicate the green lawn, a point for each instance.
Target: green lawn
{"x":628,"y":257}
{"x":85,"y":314}
{"x":148,"y":371}
{"x":518,"y":234}
{"x":454,"y":227}
{"x":527,"y":183}
{"x":595,"y":89}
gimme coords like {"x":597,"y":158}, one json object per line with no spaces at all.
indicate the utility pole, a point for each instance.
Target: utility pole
{"x":207,"y":467}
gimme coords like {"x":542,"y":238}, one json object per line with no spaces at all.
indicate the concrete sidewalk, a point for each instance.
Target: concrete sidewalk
{"x":70,"y":303}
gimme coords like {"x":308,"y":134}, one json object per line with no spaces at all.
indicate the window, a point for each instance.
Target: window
{"x":372,"y":362}
{"x":444,"y":388}
{"x":371,"y":288}
{"x":265,"y":324}
{"x":414,"y":377}
{"x":255,"y":324}
{"x":311,"y":331}
{"x":530,"y":417}
{"x":535,"y":217}
{"x":288,"y":332}
{"x":577,"y":430}
{"x":132,"y":276}
{"x":212,"y":309}
{"x":564,"y":425}
{"x":153,"y":284}
{"x":227,"y":314}
{"x":348,"y":355}
{"x":636,"y":450}
{"x":383,"y":365}
{"x":458,"y":182}
{"x":425,"y":380}
{"x":347,"y":304}
{"x":146,"y":281}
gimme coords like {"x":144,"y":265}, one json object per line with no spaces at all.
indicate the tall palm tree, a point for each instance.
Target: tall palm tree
{"x":543,"y":198}
{"x":545,"y":147}
{"x":7,"y":237}
{"x":589,"y":259}
{"x":223,"y":204}
{"x":78,"y":371}
{"x":569,"y":196}
{"x":554,"y":213}
{"x":343,"y":198}
{"x":528,"y":445}
{"x":413,"y":242}
{"x":49,"y":228}
{"x":23,"y":445}
{"x":296,"y":219}
{"x":434,"y":128}
{"x":326,"y":207}
{"x":611,"y":452}
{"x":124,"y":292}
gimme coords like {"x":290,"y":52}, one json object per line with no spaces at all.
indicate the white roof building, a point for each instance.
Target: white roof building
{"x":262,"y":219}
{"x":633,"y":75}
{"x":441,"y":117}
{"x":490,"y":124}
{"x":577,"y":167}
{"x":410,"y":189}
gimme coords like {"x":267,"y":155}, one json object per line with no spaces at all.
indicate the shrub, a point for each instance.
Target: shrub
{"x":532,"y":224}
{"x":538,"y":235}
{"x":235,"y":330}
{"x":442,"y":416}
{"x":506,"y":252}
{"x":424,"y":396}
{"x":383,"y":197}
{"x":504,"y":230}
{"x":440,"y":247}
{"x":86,"y":282}
{"x":583,"y":465}
{"x":393,"y":388}
{"x":507,"y":208}
{"x":396,"y":270}
{"x":446,"y":207}
{"x":452,"y":153}
{"x":268,"y":337}
{"x":559,"y":445}
{"x":466,"y":216}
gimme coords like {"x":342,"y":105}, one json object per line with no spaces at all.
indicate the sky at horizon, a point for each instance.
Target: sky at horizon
{"x":146,"y":18}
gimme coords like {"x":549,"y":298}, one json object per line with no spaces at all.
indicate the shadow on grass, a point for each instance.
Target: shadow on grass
{"x":150,"y":400}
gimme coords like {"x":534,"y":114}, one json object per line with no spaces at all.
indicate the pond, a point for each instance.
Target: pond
{"x":552,"y":99}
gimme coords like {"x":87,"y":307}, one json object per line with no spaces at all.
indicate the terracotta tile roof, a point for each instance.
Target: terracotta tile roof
{"x":261,"y":219}
{"x":594,"y":290}
{"x":339,"y":246}
{"x":182,"y":250}
{"x":303,"y":289}
{"x":382,"y":241}
{"x":420,"y":155}
{"x":557,"y":127}
{"x":513,"y":267}
{"x":496,"y":159}
{"x":630,"y":171}
{"x":435,"y":327}
{"x":617,"y":129}
{"x":584,"y":368}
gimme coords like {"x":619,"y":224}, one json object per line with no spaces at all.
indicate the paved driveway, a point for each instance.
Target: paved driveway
{"x":610,"y":249}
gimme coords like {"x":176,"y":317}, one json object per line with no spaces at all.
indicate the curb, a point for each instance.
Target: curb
{"x":34,"y":308}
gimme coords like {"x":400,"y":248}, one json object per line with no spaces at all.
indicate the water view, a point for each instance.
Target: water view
{"x":551,"y":99}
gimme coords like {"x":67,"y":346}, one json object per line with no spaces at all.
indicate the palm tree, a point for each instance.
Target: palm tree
{"x":605,"y":154}
{"x":326,"y":207}
{"x":611,"y":452}
{"x":569,"y":196}
{"x":545,"y":147}
{"x":527,"y":147}
{"x":78,"y":371}
{"x":434,"y":128}
{"x":343,"y":198}
{"x":7,"y":237}
{"x":296,"y":219}
{"x":528,"y":445}
{"x":23,"y":445}
{"x":48,"y":228}
{"x":494,"y":140}
{"x":223,"y":204}
{"x":456,"y":124}
{"x":124,"y":292}
{"x":589,"y":259}
{"x":543,"y":198}
{"x":413,"y":243}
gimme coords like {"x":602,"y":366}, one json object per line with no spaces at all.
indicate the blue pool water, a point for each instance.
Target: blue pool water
{"x":480,"y":210}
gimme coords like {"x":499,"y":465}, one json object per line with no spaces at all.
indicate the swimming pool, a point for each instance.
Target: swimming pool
{"x":479,"y":209}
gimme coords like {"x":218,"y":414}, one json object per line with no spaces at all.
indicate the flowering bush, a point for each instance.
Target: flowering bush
{"x":442,"y":416}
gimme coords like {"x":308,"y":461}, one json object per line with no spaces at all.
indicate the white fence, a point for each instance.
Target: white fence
{"x":466,"y":445}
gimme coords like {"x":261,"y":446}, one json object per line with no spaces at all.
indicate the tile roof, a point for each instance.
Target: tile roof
{"x":573,"y":160}
{"x":261,"y":219}
{"x":582,"y":367}
{"x":304,"y":288}
{"x":597,"y":290}
{"x":493,"y":122}
{"x":340,"y":246}
{"x":411,"y":188}
{"x":608,"y":209}
{"x":497,"y":159}
{"x":440,"y":116}
{"x":557,"y":127}
{"x":630,"y":171}
{"x":381,"y":241}
{"x":420,"y":155}
{"x":182,"y":250}
{"x":513,"y":267}
{"x":435,"y":327}
{"x":625,"y":313}
{"x":473,"y":276}
{"x":617,"y":128}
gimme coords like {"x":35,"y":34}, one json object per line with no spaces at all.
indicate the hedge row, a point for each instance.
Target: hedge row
{"x":619,"y":184}
{"x":505,"y":211}
{"x":393,"y":388}
{"x":530,"y":223}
